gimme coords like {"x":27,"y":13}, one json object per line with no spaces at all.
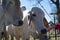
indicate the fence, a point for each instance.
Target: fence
{"x":54,"y":34}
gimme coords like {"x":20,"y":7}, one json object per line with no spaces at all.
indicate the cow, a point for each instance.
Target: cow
{"x":38,"y":28}
{"x":9,"y":15}
{"x":20,"y":31}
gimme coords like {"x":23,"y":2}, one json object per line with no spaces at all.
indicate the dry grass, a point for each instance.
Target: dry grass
{"x":51,"y":34}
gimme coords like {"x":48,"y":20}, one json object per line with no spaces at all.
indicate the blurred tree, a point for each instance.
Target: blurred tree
{"x":56,"y":2}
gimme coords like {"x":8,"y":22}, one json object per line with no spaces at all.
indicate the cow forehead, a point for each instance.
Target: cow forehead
{"x":36,"y":9}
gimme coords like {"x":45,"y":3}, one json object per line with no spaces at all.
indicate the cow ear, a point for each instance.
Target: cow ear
{"x":29,"y":12}
{"x":28,"y":17}
{"x":23,"y":8}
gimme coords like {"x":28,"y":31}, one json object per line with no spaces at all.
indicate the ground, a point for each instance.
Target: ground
{"x":50,"y":34}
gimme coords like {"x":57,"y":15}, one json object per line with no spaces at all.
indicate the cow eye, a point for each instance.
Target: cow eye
{"x":34,"y":15}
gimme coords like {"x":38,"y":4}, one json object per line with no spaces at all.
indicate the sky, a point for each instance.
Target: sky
{"x":45,"y":3}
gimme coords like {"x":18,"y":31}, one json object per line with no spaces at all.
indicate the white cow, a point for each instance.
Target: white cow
{"x":9,"y":15}
{"x":19,"y":31}
{"x":37,"y":27}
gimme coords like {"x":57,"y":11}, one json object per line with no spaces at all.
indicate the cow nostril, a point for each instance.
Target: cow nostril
{"x":2,"y":33}
{"x":19,"y":23}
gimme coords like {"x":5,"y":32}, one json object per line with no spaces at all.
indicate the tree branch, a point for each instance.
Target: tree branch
{"x":57,"y":4}
{"x":53,"y":2}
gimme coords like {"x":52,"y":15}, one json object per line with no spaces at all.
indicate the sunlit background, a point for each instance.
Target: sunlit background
{"x":47,"y":5}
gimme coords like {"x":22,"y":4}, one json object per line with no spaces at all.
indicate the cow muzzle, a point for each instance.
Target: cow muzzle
{"x":18,"y":23}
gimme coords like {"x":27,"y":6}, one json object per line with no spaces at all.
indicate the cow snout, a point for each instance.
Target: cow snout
{"x":18,"y":23}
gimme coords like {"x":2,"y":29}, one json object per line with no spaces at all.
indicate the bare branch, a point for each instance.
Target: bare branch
{"x":57,"y":4}
{"x":53,"y":2}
